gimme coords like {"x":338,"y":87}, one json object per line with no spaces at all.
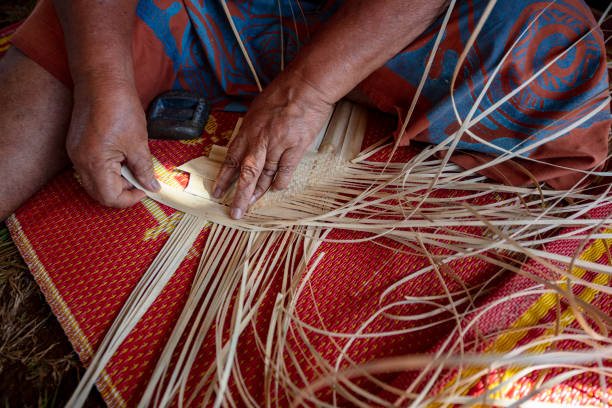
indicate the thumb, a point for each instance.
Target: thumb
{"x":140,"y":163}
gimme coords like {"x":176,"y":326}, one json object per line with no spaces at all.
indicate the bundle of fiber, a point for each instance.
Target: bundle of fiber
{"x":359,"y":300}
{"x":522,"y":344}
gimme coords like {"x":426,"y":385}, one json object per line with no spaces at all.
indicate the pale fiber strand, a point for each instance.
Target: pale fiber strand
{"x":139,"y":301}
{"x":511,"y":227}
{"x":247,"y":58}
{"x":216,"y":235}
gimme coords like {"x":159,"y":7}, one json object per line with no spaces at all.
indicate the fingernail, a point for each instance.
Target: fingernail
{"x":155,"y":185}
{"x":218,"y":192}
{"x":253,"y":198}
{"x":236,"y":213}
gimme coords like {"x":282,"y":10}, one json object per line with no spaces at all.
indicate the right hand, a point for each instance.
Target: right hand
{"x":108,"y":127}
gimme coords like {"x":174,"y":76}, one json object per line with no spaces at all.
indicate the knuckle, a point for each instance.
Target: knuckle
{"x":248,"y":173}
{"x":144,"y":166}
{"x":231,"y":162}
{"x":260,"y":144}
{"x":286,"y":169}
{"x":142,"y":160}
{"x":107,"y":201}
{"x":280,"y":185}
{"x":80,"y":159}
{"x":122,"y":204}
{"x":93,"y":163}
{"x":268,"y":172}
{"x":259,"y":190}
{"x":282,"y":181}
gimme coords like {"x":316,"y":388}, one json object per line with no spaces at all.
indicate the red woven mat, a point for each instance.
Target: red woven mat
{"x":87,"y":258}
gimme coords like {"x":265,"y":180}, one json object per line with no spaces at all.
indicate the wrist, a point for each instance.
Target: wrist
{"x":102,"y":75}
{"x":95,"y":84}
{"x":106,"y":60}
{"x":299,"y":90}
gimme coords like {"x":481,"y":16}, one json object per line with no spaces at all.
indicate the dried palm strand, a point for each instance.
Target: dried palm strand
{"x":521,"y":218}
{"x":153,"y":282}
{"x":245,"y":267}
{"x":338,"y":187}
{"x":243,"y":49}
{"x":139,"y":301}
{"x":239,"y":261}
{"x":431,"y":364}
{"x":545,"y":214}
{"x":517,"y":356}
{"x":515,"y":219}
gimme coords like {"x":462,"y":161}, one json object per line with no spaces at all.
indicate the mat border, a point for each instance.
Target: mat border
{"x":60,"y":309}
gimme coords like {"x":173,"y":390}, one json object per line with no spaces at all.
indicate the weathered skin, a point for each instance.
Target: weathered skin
{"x":286,"y":117}
{"x":107,"y":122}
{"x":33,"y":123}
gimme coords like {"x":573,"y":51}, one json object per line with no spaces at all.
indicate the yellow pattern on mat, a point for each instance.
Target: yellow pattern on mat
{"x":4,"y":43}
{"x":541,"y":307}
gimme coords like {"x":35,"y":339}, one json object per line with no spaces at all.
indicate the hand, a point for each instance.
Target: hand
{"x":282,"y":122}
{"x":108,"y":126}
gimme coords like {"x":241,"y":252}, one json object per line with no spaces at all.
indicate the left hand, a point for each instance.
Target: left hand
{"x":281,"y":124}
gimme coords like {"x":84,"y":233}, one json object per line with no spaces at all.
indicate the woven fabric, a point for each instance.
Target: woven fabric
{"x":87,"y":259}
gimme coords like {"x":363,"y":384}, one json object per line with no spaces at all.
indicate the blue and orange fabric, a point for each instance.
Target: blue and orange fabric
{"x":190,"y":44}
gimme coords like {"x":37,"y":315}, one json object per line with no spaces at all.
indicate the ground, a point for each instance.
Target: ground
{"x":38,"y":367}
{"x":14,"y":10}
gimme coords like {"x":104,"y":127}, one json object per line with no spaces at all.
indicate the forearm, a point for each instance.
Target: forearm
{"x":98,"y":38}
{"x":359,"y":39}
{"x":284,"y":119}
{"x":108,"y":125}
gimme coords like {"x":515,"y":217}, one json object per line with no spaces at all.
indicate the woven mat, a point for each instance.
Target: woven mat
{"x":87,"y":258}
{"x":5,"y":35}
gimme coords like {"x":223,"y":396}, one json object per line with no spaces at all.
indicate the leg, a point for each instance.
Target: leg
{"x":33,"y":124}
{"x":37,"y":100}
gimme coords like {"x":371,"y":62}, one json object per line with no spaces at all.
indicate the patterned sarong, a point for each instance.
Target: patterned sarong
{"x":191,"y":45}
